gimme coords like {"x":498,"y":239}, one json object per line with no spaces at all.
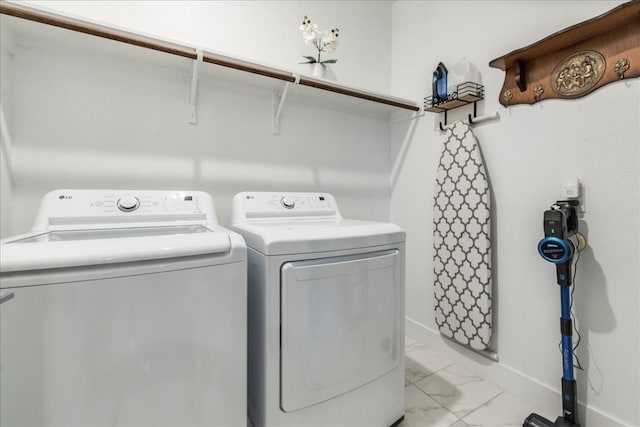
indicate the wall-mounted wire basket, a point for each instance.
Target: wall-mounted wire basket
{"x":465,"y":93}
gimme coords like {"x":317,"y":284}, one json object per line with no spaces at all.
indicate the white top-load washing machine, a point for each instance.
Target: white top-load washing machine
{"x":123,"y":308}
{"x":326,"y":313}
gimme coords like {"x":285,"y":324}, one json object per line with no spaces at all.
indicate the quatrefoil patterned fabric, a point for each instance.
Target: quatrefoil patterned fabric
{"x":462,"y":241}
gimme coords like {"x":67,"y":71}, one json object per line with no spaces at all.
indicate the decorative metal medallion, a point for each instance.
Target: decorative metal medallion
{"x":507,"y":95}
{"x":622,"y":66}
{"x":537,"y":92}
{"x":578,"y":73}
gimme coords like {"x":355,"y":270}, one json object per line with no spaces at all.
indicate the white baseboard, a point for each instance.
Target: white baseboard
{"x":542,"y":397}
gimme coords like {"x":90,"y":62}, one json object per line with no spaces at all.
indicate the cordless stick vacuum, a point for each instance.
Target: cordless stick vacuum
{"x":560,"y":223}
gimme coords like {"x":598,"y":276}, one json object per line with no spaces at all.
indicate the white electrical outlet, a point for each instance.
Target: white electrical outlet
{"x":571,"y":188}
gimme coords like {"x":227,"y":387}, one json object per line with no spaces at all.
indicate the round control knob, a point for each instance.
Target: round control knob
{"x":128,"y":203}
{"x":288,"y":202}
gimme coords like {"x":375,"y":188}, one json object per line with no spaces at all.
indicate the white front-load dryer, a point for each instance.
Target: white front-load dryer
{"x":123,"y":308}
{"x":326,"y":313}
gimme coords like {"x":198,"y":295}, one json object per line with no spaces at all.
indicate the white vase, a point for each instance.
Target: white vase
{"x":319,"y":70}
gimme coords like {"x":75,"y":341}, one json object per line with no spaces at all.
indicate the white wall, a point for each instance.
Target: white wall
{"x":6,"y":189}
{"x":90,"y":121}
{"x":263,"y":31}
{"x":528,"y":154}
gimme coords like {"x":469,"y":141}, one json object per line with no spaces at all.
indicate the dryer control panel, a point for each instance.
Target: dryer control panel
{"x":265,"y":205}
{"x":70,"y":207}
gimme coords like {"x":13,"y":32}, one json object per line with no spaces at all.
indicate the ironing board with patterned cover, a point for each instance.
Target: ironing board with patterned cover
{"x":462,"y":241}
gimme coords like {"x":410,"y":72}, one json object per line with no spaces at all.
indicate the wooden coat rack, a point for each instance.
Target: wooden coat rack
{"x":575,"y":61}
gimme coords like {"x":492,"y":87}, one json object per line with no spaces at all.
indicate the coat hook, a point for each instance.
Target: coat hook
{"x":479,"y":119}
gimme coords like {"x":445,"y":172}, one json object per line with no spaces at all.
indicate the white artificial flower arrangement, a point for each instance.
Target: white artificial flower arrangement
{"x":323,"y":41}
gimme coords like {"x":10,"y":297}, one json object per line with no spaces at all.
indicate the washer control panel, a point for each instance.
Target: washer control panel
{"x":77,"y":206}
{"x":158,"y":203}
{"x":256,"y":205}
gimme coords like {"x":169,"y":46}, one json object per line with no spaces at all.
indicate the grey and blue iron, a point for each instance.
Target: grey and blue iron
{"x":560,"y":223}
{"x":439,"y":84}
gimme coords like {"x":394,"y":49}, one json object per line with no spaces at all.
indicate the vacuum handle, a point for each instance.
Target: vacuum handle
{"x":563,"y":273}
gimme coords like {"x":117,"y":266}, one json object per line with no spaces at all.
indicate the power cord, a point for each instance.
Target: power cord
{"x":577,"y":363}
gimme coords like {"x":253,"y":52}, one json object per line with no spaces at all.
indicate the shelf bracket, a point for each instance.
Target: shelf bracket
{"x":278,"y":103}
{"x":6,"y":143}
{"x":518,"y":68}
{"x":193,"y":87}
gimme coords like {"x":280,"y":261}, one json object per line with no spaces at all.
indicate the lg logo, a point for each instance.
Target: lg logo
{"x":63,"y":197}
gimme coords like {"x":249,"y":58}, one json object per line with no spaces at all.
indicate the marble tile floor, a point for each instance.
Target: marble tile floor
{"x":439,"y":393}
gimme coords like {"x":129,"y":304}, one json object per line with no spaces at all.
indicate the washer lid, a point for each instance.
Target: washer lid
{"x":74,"y":248}
{"x":296,"y":237}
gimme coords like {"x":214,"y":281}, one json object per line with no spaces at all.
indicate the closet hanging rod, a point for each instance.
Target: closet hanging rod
{"x":60,"y":21}
{"x":67,"y":23}
{"x":337,"y":88}
{"x":127,"y":37}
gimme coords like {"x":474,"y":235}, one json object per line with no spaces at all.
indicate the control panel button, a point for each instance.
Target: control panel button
{"x":288,"y":202}
{"x":128,"y":203}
